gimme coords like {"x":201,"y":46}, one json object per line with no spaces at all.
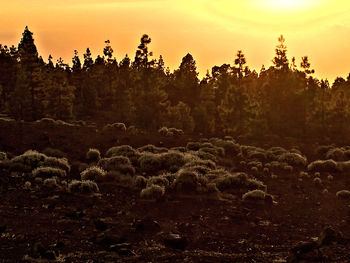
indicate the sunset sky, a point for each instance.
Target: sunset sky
{"x":212,"y":31}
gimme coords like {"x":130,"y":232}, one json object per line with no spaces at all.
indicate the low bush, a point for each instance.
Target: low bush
{"x":175,"y":132}
{"x":93,"y":155}
{"x":140,"y":182}
{"x":193,"y":146}
{"x":150,"y":163}
{"x":323,"y":166}
{"x":50,"y":183}
{"x":254,"y":195}
{"x":92,"y":173}
{"x":54,"y":153}
{"x":152,"y":149}
{"x":49,"y":172}
{"x":172,"y":161}
{"x":84,"y":187}
{"x":343,"y":194}
{"x":115,"y":163}
{"x":118,"y":126}
{"x":153,"y":192}
{"x":163,"y":131}
{"x":61,"y":163}
{"x":293,"y":159}
{"x":158,"y":180}
{"x":28,"y":160}
{"x":188,"y":181}
{"x":3,"y":156}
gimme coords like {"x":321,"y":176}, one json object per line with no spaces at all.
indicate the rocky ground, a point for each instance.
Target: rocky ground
{"x":304,"y":223}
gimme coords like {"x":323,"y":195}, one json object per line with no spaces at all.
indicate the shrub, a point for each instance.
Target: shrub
{"x":254,"y":195}
{"x":238,"y":181}
{"x":50,"y":183}
{"x":152,"y":149}
{"x":288,"y":168}
{"x":187,"y":180}
{"x":229,"y":146}
{"x":179,"y":149}
{"x":200,"y":169}
{"x":3,"y":156}
{"x":193,"y":146}
{"x":132,"y":130}
{"x":140,"y":182}
{"x":172,"y":161}
{"x":317,"y":181}
{"x":322,"y":166}
{"x":206,"y":155}
{"x":207,"y":163}
{"x":336,"y":154}
{"x":123,"y":150}
{"x":153,"y":192}
{"x":118,"y":126}
{"x":343,"y":194}
{"x":163,"y":131}
{"x":54,"y":153}
{"x":85,"y":187}
{"x":92,"y":173}
{"x":293,"y":159}
{"x":27,"y":186}
{"x":158,"y":180}
{"x":30,"y":159}
{"x":115,"y":163}
{"x":330,"y":178}
{"x":175,"y":132}
{"x":150,"y":163}
{"x":343,"y":166}
{"x":93,"y":155}
{"x":49,"y":172}
{"x":61,"y":163}
{"x":325,"y":191}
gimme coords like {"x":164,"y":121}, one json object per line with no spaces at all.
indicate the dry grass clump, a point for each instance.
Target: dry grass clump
{"x":189,"y":181}
{"x":61,"y":163}
{"x":153,"y":192}
{"x":28,"y":160}
{"x":120,"y":164}
{"x":336,"y":154}
{"x":293,"y":159}
{"x":140,"y":182}
{"x":118,"y":126}
{"x":3,"y":156}
{"x":50,"y":183}
{"x":54,"y":153}
{"x":158,"y":180}
{"x":317,"y":181}
{"x":163,"y":131}
{"x":343,"y":166}
{"x":27,"y":186}
{"x":92,"y":173}
{"x":238,"y":181}
{"x":228,"y":144}
{"x":193,"y":146}
{"x":323,"y":166}
{"x":198,"y":162}
{"x":174,"y":132}
{"x":150,"y":163}
{"x":84,"y":187}
{"x":152,"y":149}
{"x":48,"y":172}
{"x":343,"y":194}
{"x":172,"y":161}
{"x":254,"y":195}
{"x":93,"y":155}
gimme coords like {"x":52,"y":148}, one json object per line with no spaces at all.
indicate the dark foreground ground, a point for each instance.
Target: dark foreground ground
{"x":117,"y":226}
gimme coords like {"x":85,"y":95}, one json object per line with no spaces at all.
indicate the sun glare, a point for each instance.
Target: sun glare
{"x":287,"y":5}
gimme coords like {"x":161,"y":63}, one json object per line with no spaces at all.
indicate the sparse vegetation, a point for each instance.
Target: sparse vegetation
{"x":84,"y":187}
{"x":92,"y":173}
{"x":49,"y":172}
{"x":93,"y":155}
{"x":153,"y":192}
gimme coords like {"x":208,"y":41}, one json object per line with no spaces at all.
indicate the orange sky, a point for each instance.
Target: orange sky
{"x":212,"y":31}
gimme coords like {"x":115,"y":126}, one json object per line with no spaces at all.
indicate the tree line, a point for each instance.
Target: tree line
{"x":284,"y":99}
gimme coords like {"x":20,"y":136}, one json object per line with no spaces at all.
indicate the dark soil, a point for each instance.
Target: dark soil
{"x":117,"y":226}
